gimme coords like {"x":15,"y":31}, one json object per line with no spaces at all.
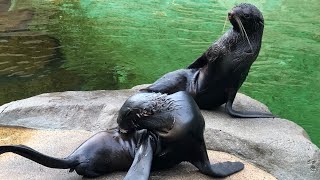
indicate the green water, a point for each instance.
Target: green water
{"x":116,"y":44}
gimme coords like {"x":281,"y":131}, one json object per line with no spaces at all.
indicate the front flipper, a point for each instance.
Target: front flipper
{"x":140,"y":168}
{"x":212,"y":55}
{"x":199,"y":63}
{"x":243,"y":114}
{"x":223,"y":169}
{"x":170,"y":83}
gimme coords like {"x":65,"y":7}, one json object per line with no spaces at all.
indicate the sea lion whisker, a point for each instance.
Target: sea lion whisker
{"x":122,"y":131}
{"x":134,"y":123}
{"x":239,"y":24}
{"x":261,"y":23}
{"x":225,"y":23}
{"x":243,"y":30}
{"x":128,"y":112}
{"x":248,"y":39}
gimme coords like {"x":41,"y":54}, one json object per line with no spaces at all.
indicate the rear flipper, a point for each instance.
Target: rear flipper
{"x":201,"y":161}
{"x":246,"y":114}
{"x":243,"y":114}
{"x":42,"y":159}
{"x":72,"y":163}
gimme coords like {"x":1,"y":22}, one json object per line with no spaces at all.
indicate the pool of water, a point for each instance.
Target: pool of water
{"x":60,"y":45}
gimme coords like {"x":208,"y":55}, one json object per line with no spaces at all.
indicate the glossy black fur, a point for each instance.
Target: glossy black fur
{"x":161,"y":131}
{"x":178,"y":124}
{"x":216,"y":76}
{"x":104,"y":152}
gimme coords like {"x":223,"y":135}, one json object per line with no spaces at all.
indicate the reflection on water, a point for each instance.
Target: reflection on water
{"x":59,"y":45}
{"x":24,"y":54}
{"x":29,"y":60}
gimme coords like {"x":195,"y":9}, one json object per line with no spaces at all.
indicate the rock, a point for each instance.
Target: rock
{"x":277,"y":146}
{"x":60,"y":143}
{"x":66,"y":110}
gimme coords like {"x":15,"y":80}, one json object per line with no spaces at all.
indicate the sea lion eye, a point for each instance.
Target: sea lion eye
{"x":246,"y":15}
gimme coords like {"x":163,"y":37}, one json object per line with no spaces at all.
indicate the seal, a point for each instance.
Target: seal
{"x":178,"y":124}
{"x":155,"y":131}
{"x":216,"y":76}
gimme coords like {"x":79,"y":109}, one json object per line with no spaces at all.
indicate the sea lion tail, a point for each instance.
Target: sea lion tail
{"x":29,"y":153}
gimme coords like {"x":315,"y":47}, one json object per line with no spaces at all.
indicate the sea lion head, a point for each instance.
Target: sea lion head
{"x":246,"y":17}
{"x":145,"y":108}
{"x":130,"y":111}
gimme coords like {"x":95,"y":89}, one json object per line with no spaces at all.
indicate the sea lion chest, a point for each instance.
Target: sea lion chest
{"x":229,"y":71}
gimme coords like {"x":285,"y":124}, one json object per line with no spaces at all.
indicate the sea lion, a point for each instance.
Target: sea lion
{"x":216,"y":76}
{"x":155,"y":130}
{"x":178,"y":124}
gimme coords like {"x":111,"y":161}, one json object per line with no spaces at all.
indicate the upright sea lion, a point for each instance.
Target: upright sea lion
{"x":156,"y":130}
{"x":216,"y":76}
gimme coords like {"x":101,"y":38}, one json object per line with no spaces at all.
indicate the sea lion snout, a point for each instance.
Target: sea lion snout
{"x":231,"y":15}
{"x":126,"y":126}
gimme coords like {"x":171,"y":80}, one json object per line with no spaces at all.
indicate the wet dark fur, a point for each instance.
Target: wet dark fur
{"x":179,"y":126}
{"x":105,"y":152}
{"x":216,"y":76}
{"x":161,"y":131}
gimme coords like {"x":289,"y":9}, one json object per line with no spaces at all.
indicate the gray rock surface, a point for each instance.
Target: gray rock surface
{"x":277,"y":146}
{"x":83,"y":110}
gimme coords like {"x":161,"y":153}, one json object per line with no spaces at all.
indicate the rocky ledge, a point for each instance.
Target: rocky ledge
{"x":61,"y":121}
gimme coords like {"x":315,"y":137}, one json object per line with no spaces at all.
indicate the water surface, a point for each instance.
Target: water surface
{"x":59,"y":45}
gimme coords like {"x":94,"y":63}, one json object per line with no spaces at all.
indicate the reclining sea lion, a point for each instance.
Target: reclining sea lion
{"x":178,"y":124}
{"x":156,"y":131}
